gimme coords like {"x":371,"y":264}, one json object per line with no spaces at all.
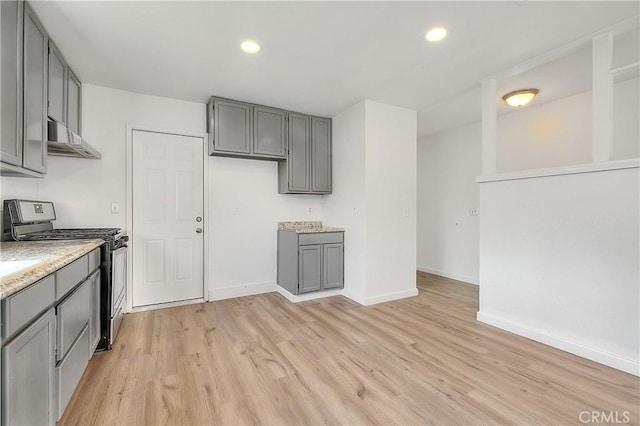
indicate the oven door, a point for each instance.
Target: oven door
{"x":118,"y":290}
{"x":118,"y":277}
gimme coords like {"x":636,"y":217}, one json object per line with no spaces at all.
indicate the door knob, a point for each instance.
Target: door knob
{"x":198,"y":219}
{"x":199,"y":230}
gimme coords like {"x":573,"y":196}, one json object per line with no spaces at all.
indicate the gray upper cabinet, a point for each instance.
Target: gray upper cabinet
{"x":307,"y":169}
{"x":24,"y":91}
{"x":11,"y":80}
{"x":270,"y":131}
{"x":239,"y":129}
{"x":74,"y":103}
{"x":35,"y":93}
{"x":231,"y":124}
{"x":64,"y":103}
{"x":320,"y":155}
{"x":57,"y":85}
{"x":28,"y":365}
{"x":299,"y":157}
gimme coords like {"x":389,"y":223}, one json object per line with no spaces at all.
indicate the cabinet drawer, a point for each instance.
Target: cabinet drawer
{"x":94,"y":260}
{"x":321,"y":238}
{"x":69,"y":371}
{"x":72,"y":315}
{"x":24,"y":306}
{"x":69,"y":276}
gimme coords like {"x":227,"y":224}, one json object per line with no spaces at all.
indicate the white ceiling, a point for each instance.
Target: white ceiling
{"x":317,"y":57}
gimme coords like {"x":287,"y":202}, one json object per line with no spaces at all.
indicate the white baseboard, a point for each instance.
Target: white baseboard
{"x":309,"y":296}
{"x":241,"y":290}
{"x":145,"y":308}
{"x":459,"y":277}
{"x":388,"y":297}
{"x":606,"y":358}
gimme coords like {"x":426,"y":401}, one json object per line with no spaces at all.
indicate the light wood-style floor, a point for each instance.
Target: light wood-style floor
{"x":263,"y":360}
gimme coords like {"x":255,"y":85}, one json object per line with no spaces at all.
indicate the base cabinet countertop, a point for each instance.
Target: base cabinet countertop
{"x":22,"y":263}
{"x":46,"y":313}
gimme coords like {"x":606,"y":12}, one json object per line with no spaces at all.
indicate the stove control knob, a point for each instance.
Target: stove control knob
{"x":199,"y":230}
{"x":198,"y":219}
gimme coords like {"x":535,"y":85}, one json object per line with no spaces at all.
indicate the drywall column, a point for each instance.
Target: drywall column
{"x":489,"y":127}
{"x":602,"y":105}
{"x":374,"y":199}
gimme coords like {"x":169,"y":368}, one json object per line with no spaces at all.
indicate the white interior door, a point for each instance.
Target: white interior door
{"x":167,"y":235}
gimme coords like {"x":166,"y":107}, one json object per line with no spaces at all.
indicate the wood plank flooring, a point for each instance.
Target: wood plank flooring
{"x":264,"y":360}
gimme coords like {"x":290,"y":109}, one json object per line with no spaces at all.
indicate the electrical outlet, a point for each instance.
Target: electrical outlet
{"x":236,"y":211}
{"x":115,"y":208}
{"x":473,"y":212}
{"x":405,"y":212}
{"x":310,"y":210}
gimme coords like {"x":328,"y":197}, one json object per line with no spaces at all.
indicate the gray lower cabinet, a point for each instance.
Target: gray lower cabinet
{"x":333,"y":265}
{"x":240,"y":129}
{"x":28,"y":375}
{"x":307,"y":168}
{"x":309,"y":268}
{"x":23,"y":149}
{"x":48,"y":335}
{"x":310,"y":262}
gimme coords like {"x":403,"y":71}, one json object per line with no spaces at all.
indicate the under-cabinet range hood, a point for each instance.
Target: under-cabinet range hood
{"x":64,"y":142}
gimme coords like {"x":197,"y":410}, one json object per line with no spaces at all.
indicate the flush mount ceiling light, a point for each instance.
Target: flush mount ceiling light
{"x":436,"y":34}
{"x":520,"y":98}
{"x":250,"y":46}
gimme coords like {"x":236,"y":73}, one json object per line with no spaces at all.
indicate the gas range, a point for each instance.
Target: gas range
{"x":25,"y":220}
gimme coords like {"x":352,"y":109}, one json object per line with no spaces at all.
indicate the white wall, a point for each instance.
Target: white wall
{"x":242,"y":246}
{"x":346,"y":207}
{"x":558,"y":133}
{"x":374,"y":180}
{"x":81,"y":189}
{"x":244,"y":211}
{"x":559,"y":262}
{"x":390,"y":160}
{"x":448,"y":236}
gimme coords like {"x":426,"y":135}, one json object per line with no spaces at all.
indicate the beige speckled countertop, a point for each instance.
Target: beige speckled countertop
{"x":309,"y":227}
{"x":22,"y":263}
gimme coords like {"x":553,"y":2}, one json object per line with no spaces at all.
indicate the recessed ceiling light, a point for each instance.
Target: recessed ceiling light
{"x":436,"y":34}
{"x":520,"y":98}
{"x":250,"y":46}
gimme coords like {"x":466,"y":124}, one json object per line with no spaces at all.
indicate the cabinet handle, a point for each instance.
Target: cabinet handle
{"x":198,"y":230}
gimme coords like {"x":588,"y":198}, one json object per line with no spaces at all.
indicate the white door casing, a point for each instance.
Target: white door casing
{"x":167,"y":200}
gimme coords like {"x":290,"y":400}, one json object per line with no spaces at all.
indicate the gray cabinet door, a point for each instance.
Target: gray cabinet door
{"x":320,"y":155}
{"x":333,"y":266}
{"x":298,"y":158}
{"x":57,"y":99}
{"x":11,"y":82}
{"x":269,"y":131}
{"x":232,"y":127}
{"x":94,"y":319}
{"x":309,"y":268}
{"x":28,"y":364}
{"x":74,"y":103}
{"x":35,"y":93}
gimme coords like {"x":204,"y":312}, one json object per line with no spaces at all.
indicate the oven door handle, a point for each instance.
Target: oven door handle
{"x":121,"y":248}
